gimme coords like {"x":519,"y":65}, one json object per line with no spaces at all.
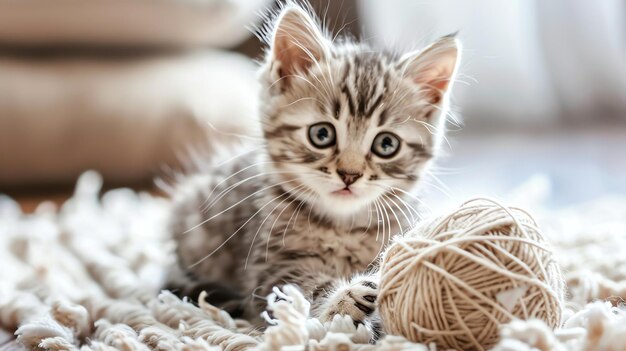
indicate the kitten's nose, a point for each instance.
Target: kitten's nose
{"x":348,"y":177}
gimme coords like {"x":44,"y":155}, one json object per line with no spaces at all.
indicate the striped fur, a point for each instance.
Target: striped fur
{"x":274,"y":216}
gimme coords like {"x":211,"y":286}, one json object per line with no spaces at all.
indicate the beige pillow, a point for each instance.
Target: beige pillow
{"x":125,"y":118}
{"x":178,"y":23}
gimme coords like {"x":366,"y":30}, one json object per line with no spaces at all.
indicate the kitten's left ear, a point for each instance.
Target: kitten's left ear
{"x":433,"y":69}
{"x":297,"y":42}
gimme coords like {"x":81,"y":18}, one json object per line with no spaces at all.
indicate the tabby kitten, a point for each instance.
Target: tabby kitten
{"x":348,"y":132}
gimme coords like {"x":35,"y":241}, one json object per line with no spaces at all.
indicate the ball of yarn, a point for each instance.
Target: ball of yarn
{"x":455,"y":280}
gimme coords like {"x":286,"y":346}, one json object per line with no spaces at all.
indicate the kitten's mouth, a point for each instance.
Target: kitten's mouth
{"x":343,"y":192}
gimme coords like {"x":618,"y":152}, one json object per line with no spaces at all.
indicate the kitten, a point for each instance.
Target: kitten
{"x":348,"y":132}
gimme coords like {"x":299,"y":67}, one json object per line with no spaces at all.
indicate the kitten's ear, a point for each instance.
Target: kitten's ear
{"x":434,"y":68}
{"x":297,"y":42}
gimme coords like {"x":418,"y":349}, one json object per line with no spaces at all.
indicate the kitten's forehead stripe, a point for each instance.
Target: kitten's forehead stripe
{"x":348,"y":95}
{"x":336,"y":108}
{"x":374,"y":105}
{"x":382,"y":117}
{"x":345,"y":90}
{"x":365,"y":82}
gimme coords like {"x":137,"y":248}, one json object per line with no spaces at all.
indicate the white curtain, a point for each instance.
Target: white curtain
{"x":524,"y":62}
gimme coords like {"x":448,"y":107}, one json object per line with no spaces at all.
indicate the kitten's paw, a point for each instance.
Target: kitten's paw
{"x":357,"y":300}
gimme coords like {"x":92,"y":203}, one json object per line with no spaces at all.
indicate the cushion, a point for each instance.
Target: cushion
{"x":217,"y":23}
{"x":126,"y":118}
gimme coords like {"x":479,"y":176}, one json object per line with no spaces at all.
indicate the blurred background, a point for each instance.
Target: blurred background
{"x":124,"y":86}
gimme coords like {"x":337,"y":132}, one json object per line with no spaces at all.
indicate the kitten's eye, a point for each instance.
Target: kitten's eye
{"x":322,"y":135}
{"x":386,"y":145}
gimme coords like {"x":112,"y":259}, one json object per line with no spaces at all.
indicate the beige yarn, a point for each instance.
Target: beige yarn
{"x":455,"y":280}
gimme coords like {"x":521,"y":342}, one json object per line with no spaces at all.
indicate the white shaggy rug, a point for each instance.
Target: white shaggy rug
{"x":87,"y":276}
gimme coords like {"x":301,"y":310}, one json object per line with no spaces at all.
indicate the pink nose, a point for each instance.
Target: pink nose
{"x":348,"y":177}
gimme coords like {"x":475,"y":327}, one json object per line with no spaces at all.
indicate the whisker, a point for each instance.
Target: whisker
{"x":263,"y":223}
{"x":389,"y":233}
{"x":392,"y":212}
{"x":315,"y":61}
{"x":377,"y":228}
{"x":219,"y":164}
{"x":301,"y":99}
{"x":229,"y":177}
{"x":306,"y":81}
{"x":442,"y":184}
{"x":295,"y":213}
{"x":230,"y":188}
{"x":379,"y":218}
{"x":383,"y":217}
{"x":444,"y":191}
{"x":238,"y":202}
{"x":420,"y":201}
{"x":267,"y":245}
{"x":410,"y":208}
{"x":401,"y":211}
{"x":242,"y":136}
{"x":384,"y":241}
{"x":440,"y":170}
{"x":413,"y":197}
{"x":369,"y":218}
{"x":308,"y":219}
{"x":433,"y":130}
{"x":234,"y":233}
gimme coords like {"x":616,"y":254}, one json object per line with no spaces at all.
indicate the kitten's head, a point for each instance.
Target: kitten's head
{"x":346,"y":124}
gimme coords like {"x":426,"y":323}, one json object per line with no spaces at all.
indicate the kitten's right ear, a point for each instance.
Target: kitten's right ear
{"x":433,"y":69}
{"x":297,"y":42}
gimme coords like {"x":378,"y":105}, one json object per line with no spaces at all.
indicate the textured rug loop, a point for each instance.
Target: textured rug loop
{"x":87,"y":276}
